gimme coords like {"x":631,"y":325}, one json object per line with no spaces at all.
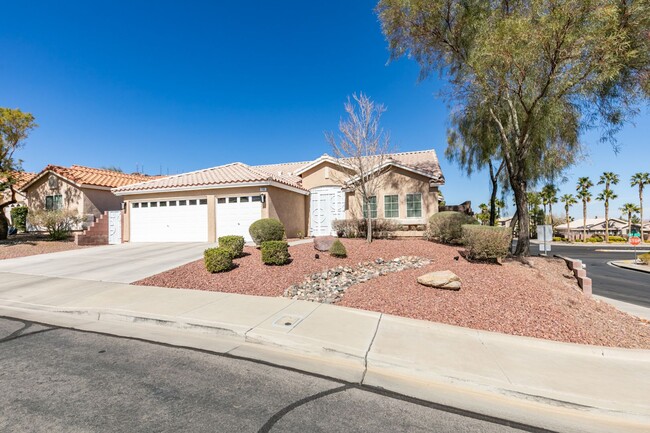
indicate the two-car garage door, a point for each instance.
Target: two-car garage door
{"x":180,"y":220}
{"x":186,"y":220}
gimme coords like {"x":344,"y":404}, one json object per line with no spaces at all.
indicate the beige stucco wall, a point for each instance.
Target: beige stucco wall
{"x":71,"y":195}
{"x":21,"y":200}
{"x":98,"y":201}
{"x":400,"y":182}
{"x":279,"y":204}
{"x":288,"y":207}
{"x":325,"y":174}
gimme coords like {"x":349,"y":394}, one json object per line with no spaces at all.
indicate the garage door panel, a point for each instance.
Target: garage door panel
{"x":187,"y":223}
{"x":235,"y":218}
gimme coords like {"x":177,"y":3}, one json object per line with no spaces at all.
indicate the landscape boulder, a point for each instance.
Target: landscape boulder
{"x":323,"y":243}
{"x":440,"y":280}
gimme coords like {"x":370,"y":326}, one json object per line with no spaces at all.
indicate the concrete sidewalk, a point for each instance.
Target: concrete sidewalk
{"x":629,"y":264}
{"x":557,"y":386}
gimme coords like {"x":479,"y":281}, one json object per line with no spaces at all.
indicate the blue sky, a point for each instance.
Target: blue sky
{"x":189,"y":85}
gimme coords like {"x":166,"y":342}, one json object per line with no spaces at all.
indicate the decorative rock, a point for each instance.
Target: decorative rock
{"x":440,"y":280}
{"x":323,"y":243}
{"x":329,"y":286}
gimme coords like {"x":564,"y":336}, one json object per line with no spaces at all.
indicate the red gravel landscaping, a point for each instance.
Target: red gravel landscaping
{"x":537,"y":300}
{"x":31,"y":245}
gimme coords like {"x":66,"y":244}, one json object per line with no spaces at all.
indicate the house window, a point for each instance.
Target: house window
{"x":391,"y":206}
{"x":53,"y":202}
{"x":203,"y":201}
{"x":232,"y":199}
{"x":145,"y":204}
{"x":372,"y":203}
{"x":182,"y":202}
{"x":257,"y":198}
{"x":414,"y":205}
{"x":221,"y":200}
{"x":135,"y":205}
{"x":243,"y":199}
{"x":192,"y":202}
{"x":163,"y":204}
{"x":153,"y":204}
{"x":172,"y":203}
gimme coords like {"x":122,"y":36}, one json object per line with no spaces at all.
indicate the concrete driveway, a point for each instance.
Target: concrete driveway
{"x":123,"y":263}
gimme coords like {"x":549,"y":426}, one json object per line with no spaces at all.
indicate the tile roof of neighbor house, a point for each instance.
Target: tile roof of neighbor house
{"x":21,"y":177}
{"x":88,"y":176}
{"x":425,"y":161}
{"x":577,"y":223}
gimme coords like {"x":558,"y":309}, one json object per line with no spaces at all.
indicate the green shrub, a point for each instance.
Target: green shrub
{"x":645,"y":258}
{"x":358,"y":228}
{"x":58,"y":223}
{"x":266,"y":229}
{"x":233,"y":243}
{"x":217,"y":259}
{"x":485,"y":242}
{"x":19,"y":218}
{"x":594,"y":238}
{"x":446,"y":227}
{"x":558,"y":239}
{"x":275,"y":253}
{"x":338,"y":250}
{"x":617,"y":239}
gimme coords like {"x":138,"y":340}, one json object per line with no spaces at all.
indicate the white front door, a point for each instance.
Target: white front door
{"x":326,"y":205}
{"x":177,"y":220}
{"x":236,"y":214}
{"x":114,"y":227}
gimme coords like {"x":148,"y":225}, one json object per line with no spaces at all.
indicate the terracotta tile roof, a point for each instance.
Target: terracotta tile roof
{"x":233,"y":173}
{"x":285,"y":173}
{"x":21,"y":178}
{"x":94,"y":176}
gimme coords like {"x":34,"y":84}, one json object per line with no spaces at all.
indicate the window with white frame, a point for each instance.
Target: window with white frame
{"x":391,"y":206}
{"x":372,"y":204}
{"x":53,"y":202}
{"x":414,"y":205}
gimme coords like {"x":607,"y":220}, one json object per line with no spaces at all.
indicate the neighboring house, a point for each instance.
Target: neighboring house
{"x":595,"y":226}
{"x":82,"y":189}
{"x":21,"y":177}
{"x":504,"y":221}
{"x":306,"y":196}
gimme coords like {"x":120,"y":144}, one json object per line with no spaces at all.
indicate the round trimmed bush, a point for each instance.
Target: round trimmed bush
{"x":446,"y":227}
{"x":217,"y":259}
{"x":266,"y":229}
{"x":338,"y":250}
{"x":275,"y":253}
{"x":233,"y":243}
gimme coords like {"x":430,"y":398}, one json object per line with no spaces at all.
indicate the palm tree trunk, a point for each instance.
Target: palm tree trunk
{"x":629,"y":224}
{"x":567,"y":223}
{"x":641,"y":212}
{"x":584,"y":221}
{"x":606,"y":222}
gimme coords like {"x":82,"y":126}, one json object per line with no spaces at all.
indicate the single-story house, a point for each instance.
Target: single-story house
{"x":20,"y":179}
{"x":595,"y":226}
{"x":305,"y":196}
{"x":83,"y":189}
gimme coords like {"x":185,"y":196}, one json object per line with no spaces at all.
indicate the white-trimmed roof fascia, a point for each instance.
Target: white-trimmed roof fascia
{"x":205,"y":187}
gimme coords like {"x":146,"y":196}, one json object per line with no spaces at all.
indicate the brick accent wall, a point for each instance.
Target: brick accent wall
{"x":95,"y":234}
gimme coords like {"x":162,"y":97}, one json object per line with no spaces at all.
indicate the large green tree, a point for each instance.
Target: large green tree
{"x":568,"y":200}
{"x":640,"y":180}
{"x":629,"y":209}
{"x":537,"y":71}
{"x":15,"y":127}
{"x":549,"y":198}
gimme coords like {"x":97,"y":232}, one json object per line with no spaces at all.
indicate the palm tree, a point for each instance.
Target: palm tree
{"x":640,"y":180}
{"x":629,"y":209}
{"x":584,"y":194}
{"x":568,"y":201}
{"x":549,"y":196}
{"x":608,"y":178}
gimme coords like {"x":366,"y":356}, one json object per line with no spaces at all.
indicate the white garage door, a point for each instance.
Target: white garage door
{"x":236,"y":214}
{"x":179,"y":220}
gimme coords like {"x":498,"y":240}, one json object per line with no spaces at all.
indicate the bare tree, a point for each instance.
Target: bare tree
{"x":361,"y":150}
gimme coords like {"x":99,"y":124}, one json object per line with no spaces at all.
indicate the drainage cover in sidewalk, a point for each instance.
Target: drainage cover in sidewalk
{"x":287,"y":321}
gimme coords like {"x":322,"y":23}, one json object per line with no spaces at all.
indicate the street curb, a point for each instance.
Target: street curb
{"x":621,"y":265}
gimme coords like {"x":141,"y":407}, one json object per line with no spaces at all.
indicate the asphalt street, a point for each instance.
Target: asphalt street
{"x":609,"y":281}
{"x":60,"y":380}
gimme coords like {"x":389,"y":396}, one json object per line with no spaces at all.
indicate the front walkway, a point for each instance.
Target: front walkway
{"x":123,"y":263}
{"x":559,"y":386}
